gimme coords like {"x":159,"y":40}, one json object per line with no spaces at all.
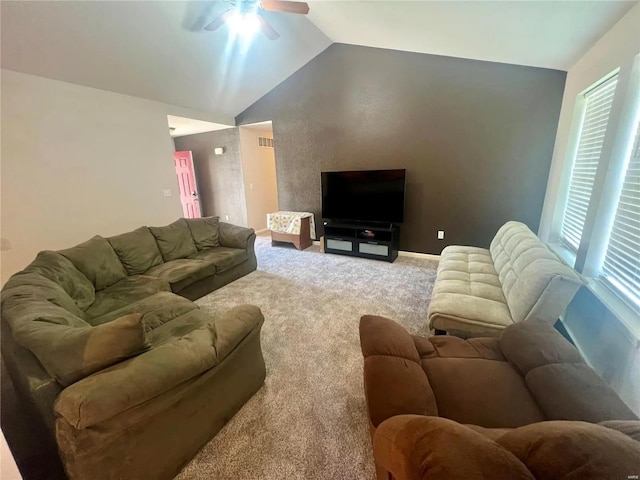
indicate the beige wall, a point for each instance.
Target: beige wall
{"x":259,"y":173}
{"x":78,"y":161}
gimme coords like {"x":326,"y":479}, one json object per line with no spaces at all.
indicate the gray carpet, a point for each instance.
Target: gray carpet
{"x":309,"y":420}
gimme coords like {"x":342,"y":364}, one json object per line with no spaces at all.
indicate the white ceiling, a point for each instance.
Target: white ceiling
{"x":550,"y":34}
{"x":145,"y":48}
{"x":181,"y":126}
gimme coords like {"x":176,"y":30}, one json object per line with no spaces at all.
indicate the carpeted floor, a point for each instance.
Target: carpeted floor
{"x":309,"y":420}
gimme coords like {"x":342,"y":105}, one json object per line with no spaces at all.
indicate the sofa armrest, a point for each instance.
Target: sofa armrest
{"x":233,"y":236}
{"x":142,"y":378}
{"x":414,"y":447}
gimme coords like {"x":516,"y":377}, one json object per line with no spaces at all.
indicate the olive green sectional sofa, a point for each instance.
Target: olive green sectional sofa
{"x":130,"y":377}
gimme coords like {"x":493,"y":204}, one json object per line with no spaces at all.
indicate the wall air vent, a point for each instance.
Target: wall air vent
{"x":265,"y":142}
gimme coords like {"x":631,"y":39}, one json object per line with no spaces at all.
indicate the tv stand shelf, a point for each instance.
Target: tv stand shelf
{"x":376,"y":241}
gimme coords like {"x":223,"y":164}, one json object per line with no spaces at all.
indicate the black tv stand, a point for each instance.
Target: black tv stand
{"x":375,"y":240}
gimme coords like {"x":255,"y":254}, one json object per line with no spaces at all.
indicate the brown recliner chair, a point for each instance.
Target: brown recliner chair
{"x":531,"y":374}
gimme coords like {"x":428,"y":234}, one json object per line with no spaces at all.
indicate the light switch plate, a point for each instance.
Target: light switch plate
{"x":440,"y":234}
{"x":166,"y":193}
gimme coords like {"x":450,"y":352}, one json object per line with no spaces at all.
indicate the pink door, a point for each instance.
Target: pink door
{"x":187,"y":184}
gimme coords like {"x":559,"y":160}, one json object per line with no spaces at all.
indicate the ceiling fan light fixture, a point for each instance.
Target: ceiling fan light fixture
{"x":245,"y":24}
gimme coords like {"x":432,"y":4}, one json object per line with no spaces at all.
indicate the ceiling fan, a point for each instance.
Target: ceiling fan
{"x":245,"y":18}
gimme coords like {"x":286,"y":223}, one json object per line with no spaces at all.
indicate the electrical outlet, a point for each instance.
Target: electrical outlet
{"x":166,"y":193}
{"x":226,"y":217}
{"x":440,"y":234}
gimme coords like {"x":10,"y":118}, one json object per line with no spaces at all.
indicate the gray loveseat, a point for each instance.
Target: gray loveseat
{"x":128,"y":375}
{"x":480,"y":292}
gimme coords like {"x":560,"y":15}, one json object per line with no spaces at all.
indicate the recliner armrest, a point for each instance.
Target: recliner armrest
{"x":233,"y":236}
{"x":142,"y":378}
{"x":415,"y":447}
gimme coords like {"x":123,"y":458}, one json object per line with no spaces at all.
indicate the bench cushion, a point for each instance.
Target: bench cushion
{"x":467,"y":296}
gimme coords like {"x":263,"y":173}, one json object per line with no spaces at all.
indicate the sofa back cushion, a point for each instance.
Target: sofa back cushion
{"x":97,"y":260}
{"x":137,"y":250}
{"x":535,"y":282}
{"x":62,"y":272}
{"x":573,"y":450}
{"x":204,"y":231}
{"x":174,"y":240}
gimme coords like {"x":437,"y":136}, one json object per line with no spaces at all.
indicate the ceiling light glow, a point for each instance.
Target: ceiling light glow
{"x":245,"y":24}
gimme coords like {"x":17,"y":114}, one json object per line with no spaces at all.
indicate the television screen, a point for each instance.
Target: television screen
{"x":364,"y":195}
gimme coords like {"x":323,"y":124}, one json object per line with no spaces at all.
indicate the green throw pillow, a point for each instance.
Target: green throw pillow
{"x":97,"y":260}
{"x":204,"y":231}
{"x":72,"y":353}
{"x":174,"y":240}
{"x":137,"y":250}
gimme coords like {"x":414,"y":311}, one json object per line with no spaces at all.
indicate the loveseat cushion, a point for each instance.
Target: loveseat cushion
{"x":97,"y":260}
{"x":183,"y":272}
{"x":62,"y":272}
{"x":174,"y":240}
{"x":573,"y":450}
{"x":125,"y":292}
{"x":156,"y":310}
{"x":137,"y":250}
{"x":468,"y":295}
{"x":223,"y":258}
{"x":204,"y":231}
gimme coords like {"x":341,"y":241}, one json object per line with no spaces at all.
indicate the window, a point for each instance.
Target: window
{"x":622,"y":259}
{"x":597,"y":107}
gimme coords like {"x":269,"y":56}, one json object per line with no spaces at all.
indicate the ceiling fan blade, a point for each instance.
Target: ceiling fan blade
{"x":282,"y":6}
{"x":267,"y":29}
{"x":218,"y":22}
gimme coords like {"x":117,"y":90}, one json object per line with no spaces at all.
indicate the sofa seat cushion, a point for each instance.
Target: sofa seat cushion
{"x":126,"y":291}
{"x":468,"y":295}
{"x":489,"y":393}
{"x":156,"y":310}
{"x":174,"y":240}
{"x":137,"y":250}
{"x":223,"y":258}
{"x":97,"y":260}
{"x":183,"y":272}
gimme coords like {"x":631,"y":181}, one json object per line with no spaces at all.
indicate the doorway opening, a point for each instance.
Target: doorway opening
{"x":186,"y":165}
{"x":259,"y":173}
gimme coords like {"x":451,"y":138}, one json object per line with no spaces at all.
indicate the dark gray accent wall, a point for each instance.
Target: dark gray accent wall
{"x":475,"y":137}
{"x":219,"y":177}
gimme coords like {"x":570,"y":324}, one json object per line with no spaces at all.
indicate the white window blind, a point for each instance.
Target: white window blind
{"x":598,"y":103}
{"x":622,"y":261}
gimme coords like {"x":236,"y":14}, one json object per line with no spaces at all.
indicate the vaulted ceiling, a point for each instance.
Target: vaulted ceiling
{"x":149,"y":49}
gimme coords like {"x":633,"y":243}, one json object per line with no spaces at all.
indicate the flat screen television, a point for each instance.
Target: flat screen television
{"x":364,"y":196}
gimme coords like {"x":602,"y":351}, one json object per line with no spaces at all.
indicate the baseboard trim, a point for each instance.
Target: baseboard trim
{"x":428,"y":256}
{"x":258,"y":232}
